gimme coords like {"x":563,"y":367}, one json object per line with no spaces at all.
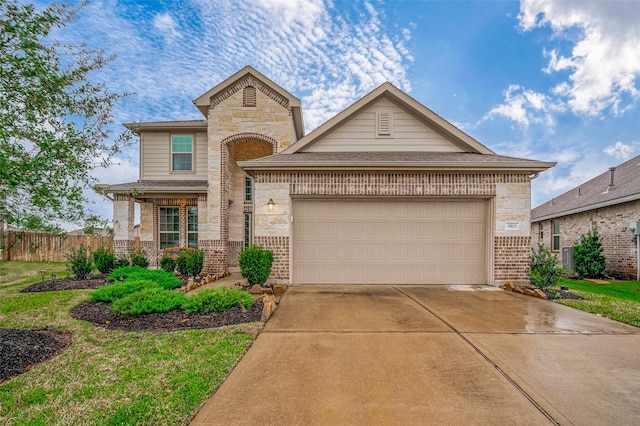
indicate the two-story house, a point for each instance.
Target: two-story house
{"x":386,"y":191}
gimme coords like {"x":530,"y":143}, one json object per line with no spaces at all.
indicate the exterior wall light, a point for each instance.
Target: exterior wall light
{"x":270,"y":203}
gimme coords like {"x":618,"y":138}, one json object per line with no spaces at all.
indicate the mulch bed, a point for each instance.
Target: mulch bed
{"x":92,"y":282}
{"x":100,"y":314}
{"x":21,"y":350}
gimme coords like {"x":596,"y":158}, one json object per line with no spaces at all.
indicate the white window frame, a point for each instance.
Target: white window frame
{"x":193,"y":153}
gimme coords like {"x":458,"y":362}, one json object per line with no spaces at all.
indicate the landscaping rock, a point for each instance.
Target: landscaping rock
{"x":269,"y":306}
{"x":528,"y":292}
{"x":190,"y":284}
{"x":539,"y":293}
{"x":279,"y":289}
{"x":509,"y":286}
{"x":256,"y":289}
{"x":267,"y":290}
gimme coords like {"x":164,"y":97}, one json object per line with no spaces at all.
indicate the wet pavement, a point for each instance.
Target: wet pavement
{"x":431,"y":355}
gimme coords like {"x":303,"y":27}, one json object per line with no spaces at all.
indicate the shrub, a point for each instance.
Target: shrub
{"x":162,"y":278}
{"x":545,"y":271}
{"x":121,"y":262}
{"x":110,"y":293}
{"x":123,"y":272}
{"x":79,"y":263}
{"x":168,"y":264}
{"x":139,"y":258}
{"x":190,"y":262}
{"x":149,"y":301}
{"x":587,"y":255}
{"x":104,"y":260}
{"x":217,"y":300}
{"x":255,"y":264}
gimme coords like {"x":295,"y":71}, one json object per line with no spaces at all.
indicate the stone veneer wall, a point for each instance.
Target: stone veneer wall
{"x":231,"y":123}
{"x":233,"y":252}
{"x":613,"y":226}
{"x":510,"y":191}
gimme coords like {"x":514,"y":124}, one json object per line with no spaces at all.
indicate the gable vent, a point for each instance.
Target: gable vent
{"x":249,"y":96}
{"x":384,"y":124}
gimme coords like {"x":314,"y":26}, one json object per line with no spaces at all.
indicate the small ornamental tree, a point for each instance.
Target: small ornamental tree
{"x":587,"y":254}
{"x":255,"y":264}
{"x":544,"y":268}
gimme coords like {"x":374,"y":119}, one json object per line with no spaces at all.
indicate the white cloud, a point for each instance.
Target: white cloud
{"x":619,"y":150}
{"x":302,"y":45}
{"x":525,"y":107}
{"x":604,"y":63}
{"x":166,"y":25}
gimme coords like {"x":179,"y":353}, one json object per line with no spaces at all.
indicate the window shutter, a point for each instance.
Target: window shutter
{"x":384,"y":124}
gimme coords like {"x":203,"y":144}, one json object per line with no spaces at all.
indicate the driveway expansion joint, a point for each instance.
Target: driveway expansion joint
{"x":484,"y":356}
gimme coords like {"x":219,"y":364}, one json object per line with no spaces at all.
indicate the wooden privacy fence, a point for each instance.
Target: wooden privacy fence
{"x":40,"y":247}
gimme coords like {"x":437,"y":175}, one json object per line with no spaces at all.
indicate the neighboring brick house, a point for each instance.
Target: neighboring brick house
{"x":612,"y":201}
{"x":385,"y":192}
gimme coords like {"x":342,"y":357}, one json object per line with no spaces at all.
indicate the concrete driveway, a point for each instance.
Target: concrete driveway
{"x":431,"y":355}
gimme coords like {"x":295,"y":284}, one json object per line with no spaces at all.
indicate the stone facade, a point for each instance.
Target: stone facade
{"x":613,"y":226}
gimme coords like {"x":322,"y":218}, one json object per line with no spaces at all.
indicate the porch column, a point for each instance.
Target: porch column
{"x":123,"y":238}
{"x":147,"y":233}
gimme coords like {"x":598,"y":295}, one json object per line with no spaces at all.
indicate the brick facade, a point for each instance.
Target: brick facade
{"x":510,"y":252}
{"x":613,"y":226}
{"x":280,"y":248}
{"x":511,"y":259}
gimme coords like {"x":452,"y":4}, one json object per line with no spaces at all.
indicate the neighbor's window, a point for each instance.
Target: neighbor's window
{"x":540,"y":231}
{"x":181,"y":152}
{"x":169,"y":218}
{"x":556,"y":235}
{"x":248,"y":189}
{"x":192,"y":227}
{"x":249,"y":96}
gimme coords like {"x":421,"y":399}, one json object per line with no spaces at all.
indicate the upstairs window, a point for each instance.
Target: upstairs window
{"x":181,"y":152}
{"x":249,"y":96}
{"x":555,"y":245}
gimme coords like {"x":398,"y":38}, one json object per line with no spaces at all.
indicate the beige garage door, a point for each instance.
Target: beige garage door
{"x":389,"y":242}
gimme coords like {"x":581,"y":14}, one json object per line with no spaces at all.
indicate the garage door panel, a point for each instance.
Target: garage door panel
{"x":389,"y":242}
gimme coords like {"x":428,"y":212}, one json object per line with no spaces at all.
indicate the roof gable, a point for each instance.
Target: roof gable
{"x":249,"y":76}
{"x":417,"y":128}
{"x":595,"y":193}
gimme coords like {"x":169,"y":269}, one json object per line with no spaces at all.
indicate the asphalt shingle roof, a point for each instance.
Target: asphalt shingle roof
{"x":595,"y":193}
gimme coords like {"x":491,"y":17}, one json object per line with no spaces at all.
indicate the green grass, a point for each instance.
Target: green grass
{"x":109,"y":377}
{"x":625,"y":290}
{"x":618,"y":300}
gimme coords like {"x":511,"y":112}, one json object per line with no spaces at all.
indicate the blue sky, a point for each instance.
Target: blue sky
{"x":554,"y":81}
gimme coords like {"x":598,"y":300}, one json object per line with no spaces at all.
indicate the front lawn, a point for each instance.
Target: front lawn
{"x":618,"y":300}
{"x":108,"y":377}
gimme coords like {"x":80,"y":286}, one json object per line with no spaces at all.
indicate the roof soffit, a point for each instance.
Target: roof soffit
{"x":404,"y":101}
